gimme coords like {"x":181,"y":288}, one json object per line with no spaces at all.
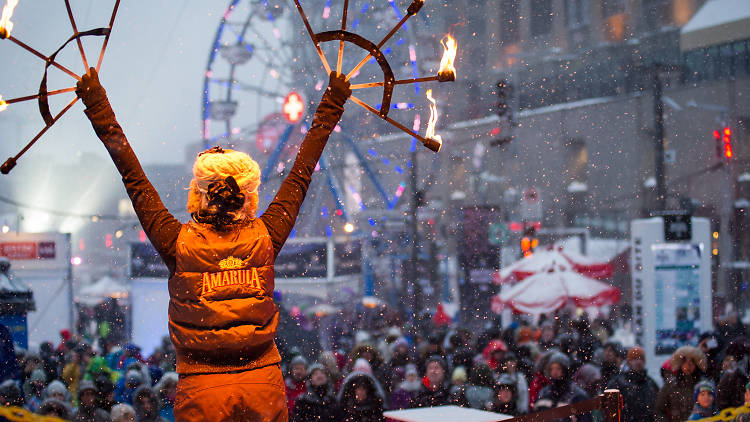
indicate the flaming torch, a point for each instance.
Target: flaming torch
{"x":3,"y":104}
{"x":5,"y":24}
{"x":446,"y":73}
{"x":447,"y":70}
{"x":430,"y":134}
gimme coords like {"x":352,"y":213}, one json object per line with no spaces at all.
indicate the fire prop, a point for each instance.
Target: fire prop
{"x":6,"y":26}
{"x":446,"y":73}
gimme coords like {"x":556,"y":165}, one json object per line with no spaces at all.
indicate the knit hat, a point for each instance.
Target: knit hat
{"x":85,"y":385}
{"x":316,"y":367}
{"x":704,"y":386}
{"x":507,"y":381}
{"x":561,"y":359}
{"x":411,"y":369}
{"x":362,"y":365}
{"x":133,"y":377}
{"x":56,"y":387}
{"x":636,"y":352}
{"x":438,"y":359}
{"x":298,"y":360}
{"x":525,"y":335}
{"x":459,"y":374}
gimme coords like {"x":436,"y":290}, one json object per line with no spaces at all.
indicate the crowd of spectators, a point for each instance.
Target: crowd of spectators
{"x":515,"y":370}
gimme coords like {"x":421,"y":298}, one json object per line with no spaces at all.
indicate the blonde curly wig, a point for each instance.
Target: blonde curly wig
{"x":214,"y":166}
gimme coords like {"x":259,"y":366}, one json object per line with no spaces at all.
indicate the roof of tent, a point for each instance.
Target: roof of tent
{"x":105,"y":287}
{"x":717,"y":22}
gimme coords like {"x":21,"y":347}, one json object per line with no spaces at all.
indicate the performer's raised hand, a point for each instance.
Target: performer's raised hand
{"x":339,"y":88}
{"x":89,"y":90}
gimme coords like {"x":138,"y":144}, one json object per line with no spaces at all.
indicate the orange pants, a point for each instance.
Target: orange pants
{"x":257,"y":395}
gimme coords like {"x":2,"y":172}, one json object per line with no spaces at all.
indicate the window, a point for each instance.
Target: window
{"x":510,"y":28}
{"x":576,"y":13}
{"x":612,"y":7}
{"x":541,"y":17}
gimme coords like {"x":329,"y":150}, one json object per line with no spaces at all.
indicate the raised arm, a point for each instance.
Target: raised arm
{"x":282,"y":213}
{"x":160,"y":226}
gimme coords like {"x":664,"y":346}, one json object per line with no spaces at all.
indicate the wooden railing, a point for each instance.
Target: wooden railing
{"x":610,"y":403}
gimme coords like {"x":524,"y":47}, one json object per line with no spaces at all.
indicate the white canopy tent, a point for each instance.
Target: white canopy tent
{"x":445,"y":413}
{"x":104,"y":288}
{"x":717,"y":22}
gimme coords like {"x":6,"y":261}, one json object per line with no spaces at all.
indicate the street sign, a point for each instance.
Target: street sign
{"x":498,"y":233}
{"x":677,"y":228}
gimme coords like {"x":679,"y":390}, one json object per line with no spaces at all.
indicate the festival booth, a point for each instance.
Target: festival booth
{"x":554,"y":287}
{"x":542,"y":259}
{"x":16,"y":300}
{"x":103,"y":309}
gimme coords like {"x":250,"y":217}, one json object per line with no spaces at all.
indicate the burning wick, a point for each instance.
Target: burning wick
{"x":3,"y":104}
{"x":447,"y":70}
{"x":5,"y":24}
{"x":430,"y":134}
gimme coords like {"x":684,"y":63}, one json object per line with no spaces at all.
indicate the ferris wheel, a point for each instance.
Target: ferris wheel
{"x":260,"y":82}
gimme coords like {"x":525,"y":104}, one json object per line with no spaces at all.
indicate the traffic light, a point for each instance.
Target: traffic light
{"x":503,"y":91}
{"x":529,"y":242}
{"x":723,"y":139}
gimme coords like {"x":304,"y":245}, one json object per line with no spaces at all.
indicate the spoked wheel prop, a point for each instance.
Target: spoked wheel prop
{"x":42,"y":97}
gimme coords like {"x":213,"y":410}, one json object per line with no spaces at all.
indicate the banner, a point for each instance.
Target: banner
{"x":297,"y":260}
{"x":145,"y":262}
{"x":677,"y":291}
{"x":348,"y":257}
{"x":19,"y":329}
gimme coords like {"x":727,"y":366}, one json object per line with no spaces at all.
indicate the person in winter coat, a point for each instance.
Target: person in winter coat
{"x":8,"y":363}
{"x":637,"y":388}
{"x":33,"y":388}
{"x":509,"y":366}
{"x":222,"y":317}
{"x":729,"y":391}
{"x":705,"y":394}
{"x":97,"y":367}
{"x":379,"y":369}
{"x":539,"y":380}
{"x":87,"y":410}
{"x":56,"y":408}
{"x":295,"y":382}
{"x":479,"y":392}
{"x":122,"y":413}
{"x":360,"y":399}
{"x":126,"y":386}
{"x":562,"y":390}
{"x":58,"y":391}
{"x":10,"y":394}
{"x":494,"y":353}
{"x":403,"y":396}
{"x":505,"y":396}
{"x":611,"y":361}
{"x":589,"y":377}
{"x":146,"y":405}
{"x":435,"y":391}
{"x":105,"y":389}
{"x":674,"y":402}
{"x":318,"y":404}
{"x":166,"y":390}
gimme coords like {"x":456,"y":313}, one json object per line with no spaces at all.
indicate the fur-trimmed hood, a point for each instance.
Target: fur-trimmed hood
{"x":688,"y":352}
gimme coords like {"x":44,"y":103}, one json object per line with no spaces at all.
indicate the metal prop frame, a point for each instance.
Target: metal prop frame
{"x":373,"y":51}
{"x":43,"y":95}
